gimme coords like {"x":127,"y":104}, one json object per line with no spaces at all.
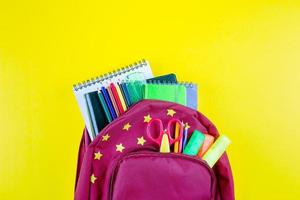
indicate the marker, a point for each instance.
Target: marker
{"x":216,"y":150}
{"x":208,"y":141}
{"x":184,"y":138}
{"x":194,"y":144}
{"x":165,"y":145}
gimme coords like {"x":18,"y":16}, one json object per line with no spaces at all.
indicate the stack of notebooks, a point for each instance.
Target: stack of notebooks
{"x":105,"y":98}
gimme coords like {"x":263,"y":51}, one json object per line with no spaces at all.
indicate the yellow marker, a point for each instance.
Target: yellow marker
{"x":165,"y":145}
{"x":121,"y":97}
{"x":176,"y":144}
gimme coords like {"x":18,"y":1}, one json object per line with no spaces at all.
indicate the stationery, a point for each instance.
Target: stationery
{"x":191,"y":95}
{"x":216,"y":150}
{"x":208,"y":141}
{"x":168,"y":78}
{"x":117,"y":98}
{"x":194,"y":144}
{"x":123,"y":104}
{"x":167,"y":92}
{"x":104,"y":106}
{"x":109,"y":103}
{"x":135,"y":90}
{"x":165,"y":144}
{"x":91,"y":116}
{"x":111,"y":96}
{"x":177,"y":143}
{"x":138,"y":71}
{"x":184,"y":137}
{"x":125,"y":94}
{"x":165,"y":136}
{"x":97,"y":113}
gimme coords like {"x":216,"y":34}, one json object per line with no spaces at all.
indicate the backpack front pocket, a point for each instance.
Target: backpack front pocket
{"x":152,"y":175}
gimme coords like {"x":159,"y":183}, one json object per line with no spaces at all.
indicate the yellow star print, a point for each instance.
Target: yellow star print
{"x":186,"y":125}
{"x":97,"y":155}
{"x":126,"y":126}
{"x":147,"y":118}
{"x":105,"y":137}
{"x":141,"y":140}
{"x":93,"y":178}
{"x":170,"y":112}
{"x":120,"y":147}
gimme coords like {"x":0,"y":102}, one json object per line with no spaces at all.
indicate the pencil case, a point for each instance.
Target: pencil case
{"x":122,"y":163}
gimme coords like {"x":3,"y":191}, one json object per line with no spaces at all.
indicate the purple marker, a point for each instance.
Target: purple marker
{"x":184,"y":137}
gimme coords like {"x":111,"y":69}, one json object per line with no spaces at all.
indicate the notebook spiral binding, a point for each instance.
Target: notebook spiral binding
{"x":109,"y":75}
{"x":187,"y":84}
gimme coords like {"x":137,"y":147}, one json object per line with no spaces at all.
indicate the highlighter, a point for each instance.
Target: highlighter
{"x":194,"y":144}
{"x":216,"y":150}
{"x":208,"y":141}
{"x":164,"y":145}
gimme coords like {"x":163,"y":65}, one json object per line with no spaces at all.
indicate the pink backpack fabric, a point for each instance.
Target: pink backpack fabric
{"x":107,"y":171}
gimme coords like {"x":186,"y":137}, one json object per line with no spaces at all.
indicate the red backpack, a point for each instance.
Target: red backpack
{"x":123,"y":163}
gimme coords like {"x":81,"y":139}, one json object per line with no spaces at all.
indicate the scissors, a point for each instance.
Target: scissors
{"x":165,"y":137}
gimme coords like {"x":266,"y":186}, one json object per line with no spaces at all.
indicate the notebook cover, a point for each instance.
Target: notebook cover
{"x":104,"y":106}
{"x":97,"y":111}
{"x":167,"y":92}
{"x":109,"y":103}
{"x":117,"y":98}
{"x":168,"y":78}
{"x":88,"y":106}
{"x":192,"y":96}
{"x":111,"y":96}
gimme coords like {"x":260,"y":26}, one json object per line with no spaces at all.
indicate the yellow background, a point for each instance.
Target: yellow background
{"x":245,"y":57}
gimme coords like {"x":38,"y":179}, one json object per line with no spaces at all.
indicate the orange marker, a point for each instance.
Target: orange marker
{"x":176,"y":144}
{"x":208,"y":141}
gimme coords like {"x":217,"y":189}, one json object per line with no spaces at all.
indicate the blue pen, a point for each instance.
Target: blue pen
{"x":110,"y":106}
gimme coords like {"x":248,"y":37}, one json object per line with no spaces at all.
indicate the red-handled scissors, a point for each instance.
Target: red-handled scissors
{"x":165,"y":137}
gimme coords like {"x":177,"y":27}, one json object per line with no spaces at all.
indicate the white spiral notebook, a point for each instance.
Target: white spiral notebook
{"x":138,"y":71}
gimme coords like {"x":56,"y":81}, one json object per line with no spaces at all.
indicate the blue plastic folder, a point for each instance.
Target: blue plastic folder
{"x":191,"y":95}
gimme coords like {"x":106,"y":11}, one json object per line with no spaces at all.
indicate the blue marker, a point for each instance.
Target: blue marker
{"x":109,"y":103}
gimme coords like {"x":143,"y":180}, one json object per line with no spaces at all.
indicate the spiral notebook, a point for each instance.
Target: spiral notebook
{"x":182,"y":93}
{"x":138,"y":71}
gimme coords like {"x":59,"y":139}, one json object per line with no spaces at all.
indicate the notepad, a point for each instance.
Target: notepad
{"x":138,"y":71}
{"x":167,"y":92}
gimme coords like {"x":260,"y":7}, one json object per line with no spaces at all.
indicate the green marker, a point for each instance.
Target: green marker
{"x":193,"y":146}
{"x":216,"y":150}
